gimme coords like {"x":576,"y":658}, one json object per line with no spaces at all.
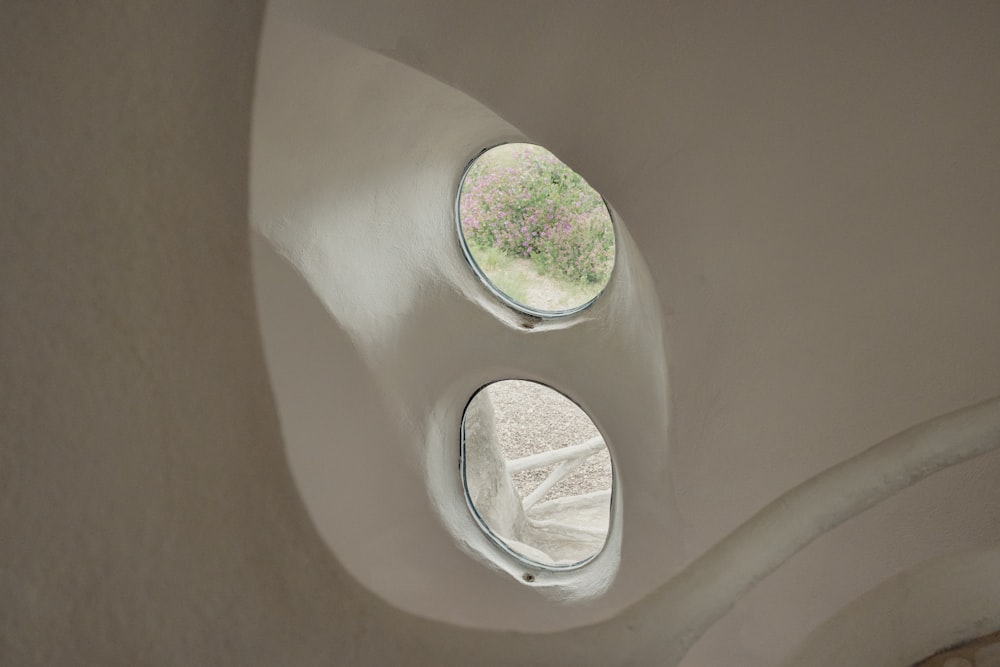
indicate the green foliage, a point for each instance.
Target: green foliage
{"x":524,"y":202}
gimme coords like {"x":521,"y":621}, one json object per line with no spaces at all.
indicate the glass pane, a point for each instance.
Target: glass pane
{"x":535,"y":230}
{"x":537,"y":472}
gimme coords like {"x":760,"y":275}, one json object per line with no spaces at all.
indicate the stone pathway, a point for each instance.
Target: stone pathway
{"x":546,"y":293}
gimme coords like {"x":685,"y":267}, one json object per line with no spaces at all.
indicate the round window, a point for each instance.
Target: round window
{"x":537,"y":473}
{"x":534,"y":230}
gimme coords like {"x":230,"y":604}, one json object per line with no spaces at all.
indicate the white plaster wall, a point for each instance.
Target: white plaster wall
{"x":812,"y":190}
{"x":912,"y":615}
{"x":359,"y":199}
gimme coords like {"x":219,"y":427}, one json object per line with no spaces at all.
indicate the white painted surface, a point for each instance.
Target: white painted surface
{"x":912,"y":615}
{"x":366,"y":217}
{"x":813,"y":190}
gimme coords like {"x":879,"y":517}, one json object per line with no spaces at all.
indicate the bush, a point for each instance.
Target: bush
{"x":521,"y":200}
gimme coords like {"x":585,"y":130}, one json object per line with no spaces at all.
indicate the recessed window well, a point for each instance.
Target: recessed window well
{"x":534,"y":230}
{"x":537,"y":473}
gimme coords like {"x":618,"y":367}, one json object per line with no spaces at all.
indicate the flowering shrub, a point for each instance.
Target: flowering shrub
{"x":521,"y":200}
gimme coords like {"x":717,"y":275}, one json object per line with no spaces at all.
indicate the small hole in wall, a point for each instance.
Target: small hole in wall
{"x":536,"y":233}
{"x":537,"y":473}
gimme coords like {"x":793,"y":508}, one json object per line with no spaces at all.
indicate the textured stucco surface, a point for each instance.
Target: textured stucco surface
{"x":813,"y":193}
{"x":365,"y":216}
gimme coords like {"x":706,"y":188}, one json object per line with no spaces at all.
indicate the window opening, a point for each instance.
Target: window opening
{"x":537,"y":473}
{"x":537,"y":234}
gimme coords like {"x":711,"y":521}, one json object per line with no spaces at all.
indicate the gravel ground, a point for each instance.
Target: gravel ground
{"x":532,"y":418}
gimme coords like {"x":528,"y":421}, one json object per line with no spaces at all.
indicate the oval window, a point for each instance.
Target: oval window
{"x":537,"y":473}
{"x":534,"y":230}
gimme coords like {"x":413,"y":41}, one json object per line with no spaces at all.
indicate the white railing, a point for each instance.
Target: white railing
{"x":567,"y":458}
